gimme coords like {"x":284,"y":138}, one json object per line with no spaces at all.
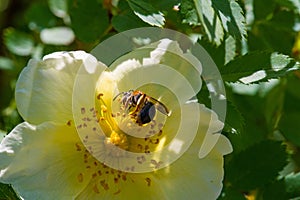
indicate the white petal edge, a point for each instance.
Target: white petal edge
{"x":44,"y":88}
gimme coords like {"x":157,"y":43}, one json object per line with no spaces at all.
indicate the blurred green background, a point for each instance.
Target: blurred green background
{"x":243,"y":37}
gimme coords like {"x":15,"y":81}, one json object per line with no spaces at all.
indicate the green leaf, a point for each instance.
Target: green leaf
{"x":290,"y":126}
{"x":217,"y":17}
{"x":218,"y":53}
{"x":277,"y":28}
{"x":39,"y":16}
{"x":189,"y":13}
{"x":89,"y":19}
{"x":204,"y":96}
{"x":292,"y":182}
{"x":231,"y":15}
{"x":294,"y":94}
{"x":275,"y":190}
{"x":245,"y":66}
{"x":234,"y":120}
{"x":59,"y":7}
{"x":127,"y":20}
{"x":256,"y":166}
{"x":262,"y":9}
{"x":290,"y":4}
{"x":10,"y":118}
{"x":230,"y":49}
{"x":230,"y":193}
{"x":274,"y":102}
{"x":7,"y":193}
{"x":2,"y":135}
{"x":146,"y":12}
{"x":221,"y":54}
{"x":165,"y":5}
{"x":18,"y":42}
{"x":283,"y":20}
{"x":209,"y":20}
{"x":254,"y":129}
{"x":258,"y":66}
{"x":6,"y":63}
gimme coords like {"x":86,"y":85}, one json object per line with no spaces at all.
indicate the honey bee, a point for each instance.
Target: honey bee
{"x":141,"y":107}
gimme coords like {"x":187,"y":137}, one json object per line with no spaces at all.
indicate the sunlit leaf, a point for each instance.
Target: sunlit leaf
{"x":230,"y":45}
{"x":6,"y":63}
{"x":209,"y":20}
{"x":57,"y":36}
{"x":189,"y":13}
{"x":37,"y":52}
{"x":59,"y":7}
{"x":246,"y":65}
{"x":18,"y":42}
{"x":258,"y":66}
{"x":231,"y":15}
{"x":218,"y":17}
{"x":292,"y":182}
{"x":147,"y":13}
{"x":127,"y":20}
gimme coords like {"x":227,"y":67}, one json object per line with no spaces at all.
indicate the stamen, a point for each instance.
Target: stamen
{"x":104,"y":185}
{"x":80,"y":178}
{"x":99,"y":96}
{"x":116,"y":144}
{"x":95,"y":189}
{"x":117,"y":192}
{"x":69,"y":123}
{"x":148,"y":180}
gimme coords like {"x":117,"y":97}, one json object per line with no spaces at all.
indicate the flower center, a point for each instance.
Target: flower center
{"x":123,"y":131}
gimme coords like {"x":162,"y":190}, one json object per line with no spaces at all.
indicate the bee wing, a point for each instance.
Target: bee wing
{"x":160,"y":106}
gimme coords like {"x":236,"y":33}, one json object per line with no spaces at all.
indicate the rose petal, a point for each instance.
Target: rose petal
{"x":44,"y":88}
{"x":192,"y":177}
{"x":43,"y":162}
{"x":212,"y":128}
{"x":162,"y":63}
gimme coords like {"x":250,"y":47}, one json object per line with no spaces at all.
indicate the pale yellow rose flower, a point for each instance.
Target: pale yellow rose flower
{"x":59,"y":152}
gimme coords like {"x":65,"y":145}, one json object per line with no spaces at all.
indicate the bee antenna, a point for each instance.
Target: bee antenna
{"x":117,"y":95}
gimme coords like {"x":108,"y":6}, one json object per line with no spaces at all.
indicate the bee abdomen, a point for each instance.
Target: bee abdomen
{"x":146,"y":114}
